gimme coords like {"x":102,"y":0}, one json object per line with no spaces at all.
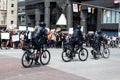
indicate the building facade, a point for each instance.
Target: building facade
{"x":100,"y":15}
{"x":92,"y":15}
{"x":42,"y":10}
{"x":3,"y":13}
{"x":8,"y":14}
{"x":48,"y":11}
{"x":21,"y":13}
{"x":12,"y":8}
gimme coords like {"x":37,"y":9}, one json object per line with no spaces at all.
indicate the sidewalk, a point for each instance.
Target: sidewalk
{"x":11,"y":69}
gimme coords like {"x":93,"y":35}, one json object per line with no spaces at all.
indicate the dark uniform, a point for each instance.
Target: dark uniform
{"x":96,"y":40}
{"x":99,"y":39}
{"x":77,"y":36}
{"x":39,"y":38}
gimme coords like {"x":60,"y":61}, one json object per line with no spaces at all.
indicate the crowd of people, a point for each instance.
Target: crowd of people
{"x":113,"y":41}
{"x":18,"y":39}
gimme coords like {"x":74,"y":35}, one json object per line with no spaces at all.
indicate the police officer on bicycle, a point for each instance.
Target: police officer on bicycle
{"x":39,"y":38}
{"x":100,"y":38}
{"x":77,"y":37}
{"x":96,"y":42}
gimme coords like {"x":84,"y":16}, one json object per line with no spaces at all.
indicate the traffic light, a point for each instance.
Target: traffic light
{"x":93,"y":10}
{"x":104,"y":11}
{"x":80,"y":7}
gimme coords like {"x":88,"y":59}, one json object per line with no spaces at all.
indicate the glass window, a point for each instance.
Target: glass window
{"x":113,"y":17}
{"x":12,"y":12}
{"x":110,"y":16}
{"x":104,"y":17}
{"x":11,"y":22}
{"x":117,"y":17}
{"x":12,"y":5}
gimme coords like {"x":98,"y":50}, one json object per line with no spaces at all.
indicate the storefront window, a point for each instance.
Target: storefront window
{"x":104,"y":18}
{"x":113,"y":17}
{"x":110,"y":17}
{"x":117,"y":17}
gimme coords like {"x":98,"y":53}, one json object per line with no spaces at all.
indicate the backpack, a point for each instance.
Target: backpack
{"x":36,"y":33}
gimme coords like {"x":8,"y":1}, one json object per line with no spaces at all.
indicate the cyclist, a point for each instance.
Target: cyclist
{"x":77,"y":37}
{"x":97,"y":38}
{"x":100,"y":38}
{"x":39,"y":38}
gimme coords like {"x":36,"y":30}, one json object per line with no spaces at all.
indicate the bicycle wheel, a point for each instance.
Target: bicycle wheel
{"x":45,"y":57}
{"x":27,"y":60}
{"x":106,"y":53}
{"x":83,"y":54}
{"x":66,"y":55}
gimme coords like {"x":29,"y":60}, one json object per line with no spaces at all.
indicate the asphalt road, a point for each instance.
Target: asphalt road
{"x":101,"y":69}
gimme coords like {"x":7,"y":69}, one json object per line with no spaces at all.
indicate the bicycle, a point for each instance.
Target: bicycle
{"x":29,"y":56}
{"x":103,"y":52}
{"x":69,"y":52}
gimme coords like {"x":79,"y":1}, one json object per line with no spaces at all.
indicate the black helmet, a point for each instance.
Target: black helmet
{"x":78,"y":27}
{"x":42,"y":24}
{"x":99,"y":32}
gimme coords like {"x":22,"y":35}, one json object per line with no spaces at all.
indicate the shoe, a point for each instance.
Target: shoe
{"x":37,"y":63}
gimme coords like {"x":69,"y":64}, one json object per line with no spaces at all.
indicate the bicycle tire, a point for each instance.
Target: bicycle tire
{"x":82,"y":56}
{"x":43,"y":57}
{"x":27,"y":60}
{"x":106,"y":53}
{"x":66,"y":54}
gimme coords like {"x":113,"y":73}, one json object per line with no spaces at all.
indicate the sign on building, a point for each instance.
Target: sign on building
{"x":75,"y":7}
{"x":89,"y":9}
{"x":116,"y":1}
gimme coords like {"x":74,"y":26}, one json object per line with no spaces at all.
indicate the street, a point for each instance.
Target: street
{"x":101,"y":69}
